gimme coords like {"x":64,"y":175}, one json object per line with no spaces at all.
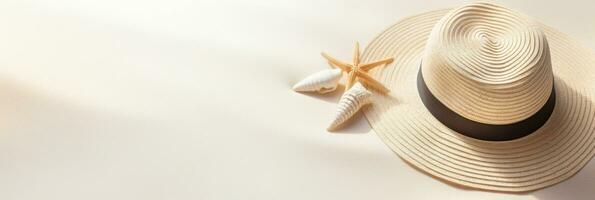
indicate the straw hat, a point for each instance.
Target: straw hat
{"x":485,"y":97}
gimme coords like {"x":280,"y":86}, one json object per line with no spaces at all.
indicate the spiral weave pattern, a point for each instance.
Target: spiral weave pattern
{"x":550,"y":155}
{"x":488,"y":64}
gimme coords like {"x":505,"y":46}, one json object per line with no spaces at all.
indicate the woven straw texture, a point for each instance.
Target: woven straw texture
{"x":485,"y":62}
{"x":548,"y":156}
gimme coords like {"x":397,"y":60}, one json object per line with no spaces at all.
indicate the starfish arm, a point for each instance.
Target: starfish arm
{"x":356,"y":54}
{"x":350,"y":79}
{"x":370,"y":65}
{"x":330,"y":64}
{"x":373,"y":83}
{"x":341,"y":65}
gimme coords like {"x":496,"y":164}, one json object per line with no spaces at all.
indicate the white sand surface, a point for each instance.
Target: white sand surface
{"x":126,"y":99}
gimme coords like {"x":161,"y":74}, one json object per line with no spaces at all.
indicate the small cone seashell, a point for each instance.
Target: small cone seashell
{"x":351,"y":101}
{"x":322,"y":82}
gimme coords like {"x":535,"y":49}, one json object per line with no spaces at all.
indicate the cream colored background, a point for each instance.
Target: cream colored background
{"x":123,"y":99}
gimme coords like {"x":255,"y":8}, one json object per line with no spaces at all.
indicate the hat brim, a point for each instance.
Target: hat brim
{"x":553,"y":153}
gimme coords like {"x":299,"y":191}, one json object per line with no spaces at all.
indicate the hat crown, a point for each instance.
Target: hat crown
{"x":488,"y":64}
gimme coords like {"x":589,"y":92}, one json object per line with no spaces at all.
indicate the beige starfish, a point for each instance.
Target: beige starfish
{"x":359,"y":72}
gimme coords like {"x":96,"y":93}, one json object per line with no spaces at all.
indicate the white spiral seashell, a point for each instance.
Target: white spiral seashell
{"x":355,"y":98}
{"x":322,"y":82}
